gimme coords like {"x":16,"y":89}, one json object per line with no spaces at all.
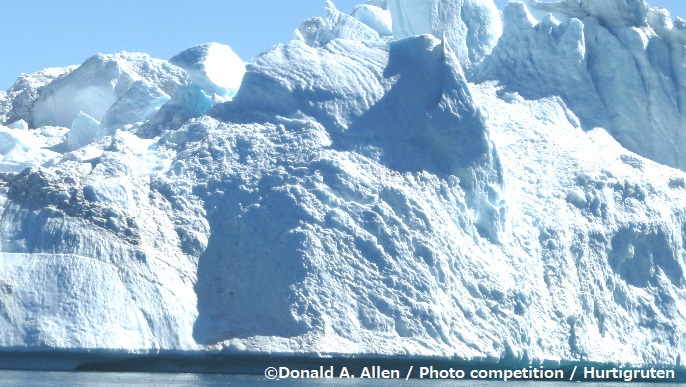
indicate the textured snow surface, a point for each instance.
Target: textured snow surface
{"x":359,"y":194}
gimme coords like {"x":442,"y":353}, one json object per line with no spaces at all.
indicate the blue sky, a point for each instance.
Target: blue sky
{"x":44,"y":33}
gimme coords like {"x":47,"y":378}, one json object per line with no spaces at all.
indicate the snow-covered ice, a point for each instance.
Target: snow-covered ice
{"x":375,"y":186}
{"x":97,"y":84}
{"x":213,"y":67}
{"x":375,"y":17}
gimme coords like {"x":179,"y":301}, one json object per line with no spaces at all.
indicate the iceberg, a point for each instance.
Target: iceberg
{"x":445,"y":184}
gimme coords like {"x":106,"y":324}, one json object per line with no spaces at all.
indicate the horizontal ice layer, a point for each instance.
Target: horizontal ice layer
{"x":214,"y":68}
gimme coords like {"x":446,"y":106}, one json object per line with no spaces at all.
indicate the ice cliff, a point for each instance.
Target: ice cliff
{"x":617,"y":65}
{"x":401,"y":180}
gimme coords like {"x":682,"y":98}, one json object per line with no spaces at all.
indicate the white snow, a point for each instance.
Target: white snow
{"x":318,"y":32}
{"x":21,"y":148}
{"x":375,"y":17}
{"x":213,"y":67}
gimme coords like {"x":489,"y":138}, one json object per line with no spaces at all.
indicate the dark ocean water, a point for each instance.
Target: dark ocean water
{"x":42,"y":378}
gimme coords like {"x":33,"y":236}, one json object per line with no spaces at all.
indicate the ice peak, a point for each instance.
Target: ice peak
{"x":471,"y":26}
{"x":213,"y":67}
{"x":98,"y":83}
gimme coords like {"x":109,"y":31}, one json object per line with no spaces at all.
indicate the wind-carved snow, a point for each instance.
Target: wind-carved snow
{"x":370,"y":198}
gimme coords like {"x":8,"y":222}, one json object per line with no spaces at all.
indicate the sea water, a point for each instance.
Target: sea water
{"x":43,"y":378}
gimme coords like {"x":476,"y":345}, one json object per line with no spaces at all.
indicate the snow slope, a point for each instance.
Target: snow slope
{"x":358,"y":194}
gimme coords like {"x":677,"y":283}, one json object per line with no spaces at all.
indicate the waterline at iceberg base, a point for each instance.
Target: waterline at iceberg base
{"x":318,"y":368}
{"x":400,"y":183}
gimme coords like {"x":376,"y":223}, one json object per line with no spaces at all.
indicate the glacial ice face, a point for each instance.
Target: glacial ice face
{"x":88,"y":258}
{"x":544,"y":58}
{"x":624,"y":73}
{"x":368,"y":196}
{"x":19,"y":99}
{"x":97,"y":84}
{"x":412,"y":91}
{"x":139,"y":103}
{"x":471,"y":27}
{"x":84,"y":129}
{"x":21,"y":148}
{"x":334,"y":119}
{"x":617,"y":13}
{"x":214,"y":68}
